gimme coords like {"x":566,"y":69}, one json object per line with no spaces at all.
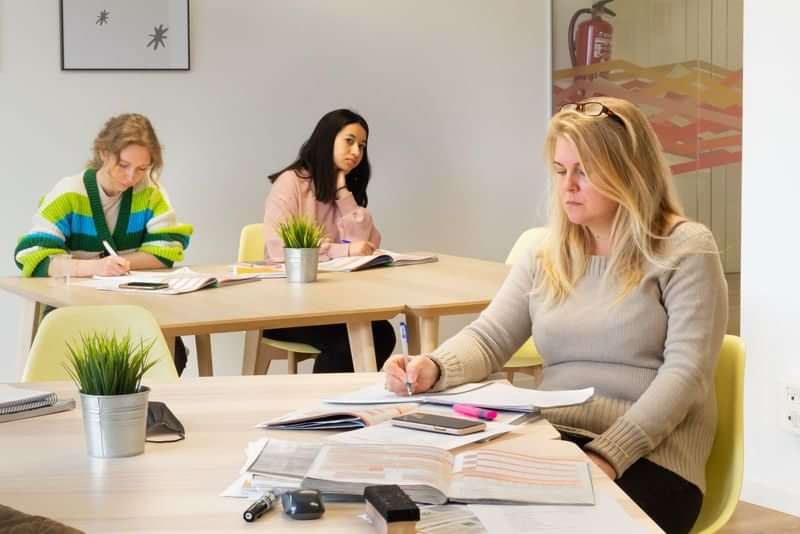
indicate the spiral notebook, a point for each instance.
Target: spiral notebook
{"x":13,"y":399}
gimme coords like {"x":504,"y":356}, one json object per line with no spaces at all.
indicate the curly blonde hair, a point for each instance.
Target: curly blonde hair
{"x":622,"y":159}
{"x":122,"y":131}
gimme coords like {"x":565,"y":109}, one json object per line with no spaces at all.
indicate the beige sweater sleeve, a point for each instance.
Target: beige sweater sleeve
{"x":695,"y":297}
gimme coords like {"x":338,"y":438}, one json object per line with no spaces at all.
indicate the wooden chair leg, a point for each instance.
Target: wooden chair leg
{"x":510,"y":376}
{"x":291,"y":358}
{"x":265,"y":356}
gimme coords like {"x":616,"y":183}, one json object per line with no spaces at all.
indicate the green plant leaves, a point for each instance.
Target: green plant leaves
{"x":301,"y":232}
{"x":107,"y":365}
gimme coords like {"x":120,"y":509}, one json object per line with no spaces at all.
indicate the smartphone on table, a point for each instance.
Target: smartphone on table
{"x":144,"y":285}
{"x":439,"y":423}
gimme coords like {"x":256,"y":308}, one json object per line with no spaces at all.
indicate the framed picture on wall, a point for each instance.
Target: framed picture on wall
{"x":124,"y":34}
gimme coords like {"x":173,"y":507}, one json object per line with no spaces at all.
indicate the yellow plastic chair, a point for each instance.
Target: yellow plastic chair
{"x":726,"y":462}
{"x":527,"y":358}
{"x":65,"y":325}
{"x":251,"y":249}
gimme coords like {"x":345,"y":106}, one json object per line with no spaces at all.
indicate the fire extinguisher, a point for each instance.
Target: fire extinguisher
{"x":592,"y":42}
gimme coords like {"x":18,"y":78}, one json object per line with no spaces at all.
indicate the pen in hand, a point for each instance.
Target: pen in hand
{"x":108,"y":248}
{"x":404,"y":342}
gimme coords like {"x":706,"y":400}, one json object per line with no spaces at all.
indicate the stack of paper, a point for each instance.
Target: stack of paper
{"x":324,"y":417}
{"x":491,"y":395}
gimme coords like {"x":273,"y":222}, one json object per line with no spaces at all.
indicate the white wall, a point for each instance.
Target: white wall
{"x":456,"y":94}
{"x":770,"y":254}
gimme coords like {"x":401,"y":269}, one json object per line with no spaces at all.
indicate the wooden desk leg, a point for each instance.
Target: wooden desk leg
{"x":170,"y":344}
{"x":362,"y":346}
{"x":429,"y":334}
{"x":30,"y":317}
{"x":412,"y":322}
{"x":252,"y":342}
{"x":205,"y":366}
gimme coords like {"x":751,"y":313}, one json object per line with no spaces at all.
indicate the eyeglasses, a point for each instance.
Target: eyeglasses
{"x":592,"y":109}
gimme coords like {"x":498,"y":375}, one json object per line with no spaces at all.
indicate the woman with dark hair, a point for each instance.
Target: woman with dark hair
{"x":328,"y":183}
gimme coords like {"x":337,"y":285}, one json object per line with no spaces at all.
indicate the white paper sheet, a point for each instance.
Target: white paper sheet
{"x":605,"y":517}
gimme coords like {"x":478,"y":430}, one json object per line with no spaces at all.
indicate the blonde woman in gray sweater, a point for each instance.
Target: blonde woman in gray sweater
{"x":623,"y":294}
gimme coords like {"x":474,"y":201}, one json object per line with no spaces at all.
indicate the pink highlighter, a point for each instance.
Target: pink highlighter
{"x":474,"y":411}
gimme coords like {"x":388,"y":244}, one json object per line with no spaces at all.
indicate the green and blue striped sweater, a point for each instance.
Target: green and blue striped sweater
{"x":70,"y":220}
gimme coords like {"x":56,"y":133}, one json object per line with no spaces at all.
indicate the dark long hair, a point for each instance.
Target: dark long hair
{"x":315,"y":159}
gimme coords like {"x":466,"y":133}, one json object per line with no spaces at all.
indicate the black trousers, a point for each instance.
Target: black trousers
{"x":334,"y":345}
{"x":670,"y":500}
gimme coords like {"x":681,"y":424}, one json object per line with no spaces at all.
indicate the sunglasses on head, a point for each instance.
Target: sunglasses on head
{"x":592,"y":109}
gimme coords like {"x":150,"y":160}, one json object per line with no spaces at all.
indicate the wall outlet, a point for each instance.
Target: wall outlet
{"x":789,"y":406}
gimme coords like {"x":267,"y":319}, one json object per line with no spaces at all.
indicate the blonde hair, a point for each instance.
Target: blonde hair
{"x":123,"y":130}
{"x":622,"y":159}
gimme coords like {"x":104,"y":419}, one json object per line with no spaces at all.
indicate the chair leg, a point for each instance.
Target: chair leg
{"x":292,"y":362}
{"x":265,"y":356}
{"x":510,"y":376}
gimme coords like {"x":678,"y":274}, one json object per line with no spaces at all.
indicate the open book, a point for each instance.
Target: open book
{"x":491,"y":395}
{"x":499,"y":474}
{"x":435,"y":476}
{"x":380,"y":258}
{"x":180,"y":281}
{"x":337,"y":417}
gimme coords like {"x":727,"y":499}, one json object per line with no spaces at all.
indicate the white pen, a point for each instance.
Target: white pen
{"x":110,"y":250}
{"x":404,"y":344}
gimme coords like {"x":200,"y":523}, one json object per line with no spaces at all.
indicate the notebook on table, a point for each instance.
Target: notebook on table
{"x":19,"y":403}
{"x":379,"y":259}
{"x":180,"y":281}
{"x":14,"y":399}
{"x":324,"y":417}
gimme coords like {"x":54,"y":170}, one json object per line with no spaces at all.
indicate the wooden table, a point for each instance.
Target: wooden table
{"x":453,"y":285}
{"x":174,"y":487}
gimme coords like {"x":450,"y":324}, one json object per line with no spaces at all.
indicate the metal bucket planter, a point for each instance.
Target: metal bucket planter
{"x":115,"y":425}
{"x":301,"y":264}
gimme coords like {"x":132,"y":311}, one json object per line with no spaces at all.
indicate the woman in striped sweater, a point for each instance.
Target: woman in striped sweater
{"x":118,"y":198}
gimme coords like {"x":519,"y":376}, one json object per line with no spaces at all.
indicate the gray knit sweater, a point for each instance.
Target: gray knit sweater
{"x":650,"y":357}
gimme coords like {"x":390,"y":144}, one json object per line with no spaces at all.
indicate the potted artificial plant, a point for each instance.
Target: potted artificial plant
{"x":301,"y":238}
{"x":108,"y":372}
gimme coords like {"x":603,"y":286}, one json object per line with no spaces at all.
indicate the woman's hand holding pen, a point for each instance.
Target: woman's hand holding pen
{"x":111,"y":266}
{"x":360,"y":248}
{"x":422,"y":374}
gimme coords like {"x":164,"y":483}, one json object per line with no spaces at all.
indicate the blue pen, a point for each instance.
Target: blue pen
{"x":345,"y":241}
{"x":404,"y":342}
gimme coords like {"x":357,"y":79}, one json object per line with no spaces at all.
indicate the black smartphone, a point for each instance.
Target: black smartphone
{"x":144,"y":285}
{"x":439,"y":423}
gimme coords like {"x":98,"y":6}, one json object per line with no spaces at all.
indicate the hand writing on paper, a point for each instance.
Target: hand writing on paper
{"x":600,"y":462}
{"x":111,"y":266}
{"x":422,"y":373}
{"x":360,"y":248}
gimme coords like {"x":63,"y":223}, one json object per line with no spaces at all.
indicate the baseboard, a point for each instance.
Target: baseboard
{"x":780,"y":499}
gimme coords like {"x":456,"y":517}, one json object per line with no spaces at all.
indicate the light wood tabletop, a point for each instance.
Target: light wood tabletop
{"x":453,"y":285}
{"x":174,"y":487}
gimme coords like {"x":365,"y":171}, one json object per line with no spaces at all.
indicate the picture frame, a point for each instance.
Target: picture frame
{"x":124,"y":35}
